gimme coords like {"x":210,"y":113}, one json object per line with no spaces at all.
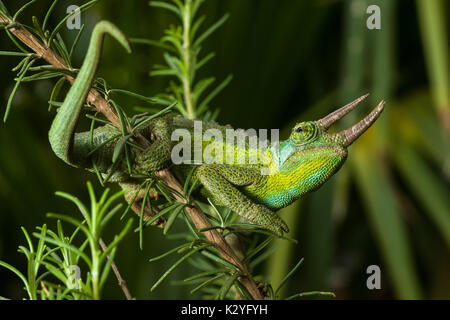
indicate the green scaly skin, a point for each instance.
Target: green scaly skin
{"x":296,"y":166}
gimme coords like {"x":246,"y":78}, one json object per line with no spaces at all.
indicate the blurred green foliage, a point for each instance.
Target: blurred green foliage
{"x":291,"y":61}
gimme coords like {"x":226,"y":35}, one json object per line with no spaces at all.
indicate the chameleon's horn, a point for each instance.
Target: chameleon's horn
{"x":353,"y":133}
{"x":327,"y":121}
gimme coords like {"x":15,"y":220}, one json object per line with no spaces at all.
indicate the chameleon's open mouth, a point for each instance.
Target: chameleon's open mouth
{"x":351,"y":134}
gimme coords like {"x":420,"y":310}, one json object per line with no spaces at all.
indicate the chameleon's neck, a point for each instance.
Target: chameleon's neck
{"x":289,"y":177}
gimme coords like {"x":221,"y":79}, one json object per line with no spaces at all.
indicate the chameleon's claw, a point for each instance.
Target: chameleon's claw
{"x":278,"y":229}
{"x":269,"y":220}
{"x":282,"y":228}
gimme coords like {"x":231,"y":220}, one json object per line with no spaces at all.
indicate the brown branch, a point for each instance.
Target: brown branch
{"x":198,"y":217}
{"x":122,"y":282}
{"x":46,"y":53}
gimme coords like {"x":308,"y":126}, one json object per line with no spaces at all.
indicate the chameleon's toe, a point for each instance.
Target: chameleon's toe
{"x":279,"y":227}
{"x":284,"y":226}
{"x":268,"y":219}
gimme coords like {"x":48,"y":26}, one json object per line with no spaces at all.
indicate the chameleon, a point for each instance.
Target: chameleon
{"x":296,"y":166}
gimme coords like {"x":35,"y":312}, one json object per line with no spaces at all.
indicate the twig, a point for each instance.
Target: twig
{"x":103,"y":106}
{"x":122,"y":282}
{"x":44,"y":288}
{"x":51,"y":57}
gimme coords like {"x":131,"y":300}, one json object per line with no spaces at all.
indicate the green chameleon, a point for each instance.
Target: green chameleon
{"x":295,"y":166}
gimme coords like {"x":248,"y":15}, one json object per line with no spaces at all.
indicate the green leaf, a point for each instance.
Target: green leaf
{"x":17,"y":272}
{"x":432,"y":22}
{"x":141,"y":216}
{"x":75,"y":42}
{"x":4,"y":10}
{"x":153,"y":116}
{"x":62,"y":49}
{"x":171,"y":251}
{"x":173,"y":216}
{"x":205,"y":274}
{"x":62,"y":22}
{"x":385,"y":219}
{"x":210,"y":30}
{"x":212,"y":95}
{"x":260,"y":247}
{"x":426,"y":187}
{"x":134,"y":95}
{"x":312,"y":293}
{"x":205,"y":60}
{"x":116,"y":240}
{"x":55,"y":91}
{"x":118,"y":149}
{"x":164,"y":211}
{"x":79,"y":205}
{"x":168,"y":6}
{"x":18,"y":12}
{"x":196,"y":26}
{"x":19,"y":54}
{"x":206,"y":283}
{"x":218,"y":259}
{"x":67,"y":246}
{"x":40,"y":76}
{"x":201,"y":86}
{"x":47,"y":15}
{"x":37,"y":27}
{"x":163,"y":72}
{"x":154,"y":43}
{"x":107,"y":268}
{"x":227,"y":285}
{"x":16,"y":87}
{"x":176,"y":264}
{"x":286,"y":278}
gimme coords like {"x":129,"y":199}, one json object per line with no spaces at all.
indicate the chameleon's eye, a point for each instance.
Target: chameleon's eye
{"x":304,"y":133}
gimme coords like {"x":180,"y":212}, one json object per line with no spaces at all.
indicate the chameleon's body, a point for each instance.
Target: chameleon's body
{"x":291,"y":168}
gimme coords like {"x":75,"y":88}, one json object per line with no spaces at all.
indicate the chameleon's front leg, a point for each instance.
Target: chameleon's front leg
{"x":221,"y":182}
{"x":158,"y":155}
{"x":135,"y":194}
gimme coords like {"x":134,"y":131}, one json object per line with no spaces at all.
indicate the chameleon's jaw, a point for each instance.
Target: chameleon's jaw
{"x":349,"y":135}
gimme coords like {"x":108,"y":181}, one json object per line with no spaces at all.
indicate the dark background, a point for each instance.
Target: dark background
{"x":291,"y":61}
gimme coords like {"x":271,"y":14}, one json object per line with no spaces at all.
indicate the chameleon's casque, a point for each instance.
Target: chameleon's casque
{"x":296,"y":166}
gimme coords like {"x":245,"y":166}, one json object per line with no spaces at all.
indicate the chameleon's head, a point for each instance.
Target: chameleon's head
{"x":313,"y":155}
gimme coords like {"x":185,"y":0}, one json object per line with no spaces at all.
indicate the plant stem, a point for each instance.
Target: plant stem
{"x":122,"y":282}
{"x":51,"y":57}
{"x":186,"y":53}
{"x":95,"y":274}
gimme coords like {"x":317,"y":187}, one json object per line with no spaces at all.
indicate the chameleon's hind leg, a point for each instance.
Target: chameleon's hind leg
{"x":158,"y":155}
{"x":135,"y":195}
{"x":221,"y":181}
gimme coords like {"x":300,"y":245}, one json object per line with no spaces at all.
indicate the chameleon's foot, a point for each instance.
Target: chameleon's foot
{"x":268,"y":219}
{"x":135,"y":194}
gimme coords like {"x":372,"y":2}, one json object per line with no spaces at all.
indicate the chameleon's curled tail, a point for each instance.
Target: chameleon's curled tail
{"x":62,"y":129}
